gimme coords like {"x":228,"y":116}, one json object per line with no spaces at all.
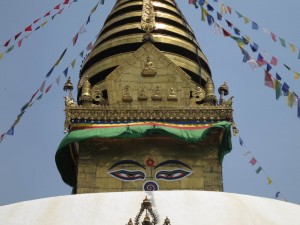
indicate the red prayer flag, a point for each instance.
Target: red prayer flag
{"x":57,"y":7}
{"x":48,"y":88}
{"x":273,"y":36}
{"x":268,"y":80}
{"x":42,"y":86}
{"x":66,"y":2}
{"x":75,"y":39}
{"x":18,"y":35}
{"x":229,"y":9}
{"x":29,"y":28}
{"x":90,"y":46}
{"x":253,"y":161}
{"x":226,"y":33}
{"x":6,"y":43}
{"x":274,"y":61}
{"x":60,"y":11}
{"x":47,"y":14}
{"x":20,"y":42}
{"x":36,"y":20}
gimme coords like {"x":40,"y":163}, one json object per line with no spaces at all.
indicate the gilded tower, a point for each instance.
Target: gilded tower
{"x":146,"y":116}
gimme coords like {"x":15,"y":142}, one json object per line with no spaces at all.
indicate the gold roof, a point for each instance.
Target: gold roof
{"x":123,"y":32}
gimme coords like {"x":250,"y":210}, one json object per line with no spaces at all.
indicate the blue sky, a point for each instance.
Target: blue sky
{"x":269,"y":128}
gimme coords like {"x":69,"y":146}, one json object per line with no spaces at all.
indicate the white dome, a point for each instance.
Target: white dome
{"x":181,"y":207}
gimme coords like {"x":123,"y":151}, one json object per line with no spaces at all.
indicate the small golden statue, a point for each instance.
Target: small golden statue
{"x":149,"y":69}
{"x":126,"y":95}
{"x":197,"y":95}
{"x":172,"y":95}
{"x":157,"y":96}
{"x":142,"y":95}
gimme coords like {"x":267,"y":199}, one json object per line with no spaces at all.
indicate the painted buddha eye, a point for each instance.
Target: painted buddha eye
{"x":127,"y":175}
{"x":172,"y":174}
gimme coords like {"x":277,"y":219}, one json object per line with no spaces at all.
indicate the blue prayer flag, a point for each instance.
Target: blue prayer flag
{"x":241,"y":141}
{"x":11,"y":131}
{"x":210,"y":19}
{"x":254,"y":26}
{"x":278,"y":77}
{"x":219,"y":16}
{"x":285,"y":89}
{"x":269,"y":67}
{"x":254,"y":47}
{"x":49,"y":73}
{"x":237,"y":31}
{"x":277,"y":194}
{"x":66,"y":71}
{"x":210,"y":8}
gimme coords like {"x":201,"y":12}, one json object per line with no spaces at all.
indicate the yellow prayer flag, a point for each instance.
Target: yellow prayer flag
{"x":1,"y":55}
{"x":44,"y":23}
{"x":291,"y":99}
{"x":204,"y":14}
{"x":246,"y":20}
{"x":73,"y":63}
{"x":269,"y":180}
{"x":293,"y":48}
{"x":296,"y":75}
{"x":223,"y":9}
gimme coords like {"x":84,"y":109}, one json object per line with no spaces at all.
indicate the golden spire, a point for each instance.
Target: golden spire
{"x":148,"y":16}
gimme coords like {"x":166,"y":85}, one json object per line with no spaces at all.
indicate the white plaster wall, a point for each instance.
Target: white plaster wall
{"x":182,"y":208}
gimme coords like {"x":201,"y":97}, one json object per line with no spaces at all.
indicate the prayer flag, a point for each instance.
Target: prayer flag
{"x":95,"y":8}
{"x":277,"y":194}
{"x":81,"y":54}
{"x":239,"y":41}
{"x":269,"y":180}
{"x":32,"y":97}
{"x":285,"y":89}
{"x":258,"y":169}
{"x":44,"y":23}
{"x":273,"y":36}
{"x":102,"y":2}
{"x":9,"y":49}
{"x":52,"y":17}
{"x":210,"y":8}
{"x":241,"y":141}
{"x":42,"y":86}
{"x":253,"y":64}
{"x":201,"y":2}
{"x":269,"y":67}
{"x":254,"y":26}
{"x":88,"y":20}
{"x":66,"y":2}
{"x":274,"y":61}
{"x":282,"y":41}
{"x":1,"y":55}
{"x":278,"y":92}
{"x":11,"y":131}
{"x":236,"y":31}
{"x":82,"y":29}
{"x":219,"y":16}
{"x":28,"y":29}
{"x":25,"y":107}
{"x":39,"y":98}
{"x":218,"y":29}
{"x":210,"y":19}
{"x":203,"y":14}
{"x":47,"y":14}
{"x":278,"y":77}
{"x":223,"y":9}
{"x":18,"y":35}
{"x":66,"y":71}
{"x":20,"y":42}
{"x":293,"y":48}
{"x":246,"y":20}
{"x":73,"y":63}
{"x":299,"y":54}
{"x":287,"y":67}
{"x":49,"y":73}
{"x":253,"y":161}
{"x":254,"y":47}
{"x":246,"y":153}
{"x":229,"y":23}
{"x":296,"y":75}
{"x":291,"y":99}
{"x":61,"y":56}
{"x":260,"y":60}
{"x":36,"y":20}
{"x":48,"y":89}
{"x":57,"y":7}
{"x":6,"y":43}
{"x":60,"y":11}
{"x":268,"y":80}
{"x":2,"y":137}
{"x":238,"y":14}
{"x":229,"y":9}
{"x":90,"y":46}
{"x":226,"y":33}
{"x":75,"y":39}
{"x":246,"y":39}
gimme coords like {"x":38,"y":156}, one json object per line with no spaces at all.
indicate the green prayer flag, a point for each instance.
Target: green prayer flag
{"x":258,"y":169}
{"x":282,"y":41}
{"x":278,"y":91}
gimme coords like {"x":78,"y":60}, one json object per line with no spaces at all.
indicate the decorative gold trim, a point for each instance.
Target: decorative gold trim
{"x":148,"y":17}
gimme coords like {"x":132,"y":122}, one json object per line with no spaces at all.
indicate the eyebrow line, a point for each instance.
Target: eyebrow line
{"x":123,"y":162}
{"x":167,"y":162}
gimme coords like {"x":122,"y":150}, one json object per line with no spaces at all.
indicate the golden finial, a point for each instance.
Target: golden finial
{"x":69,"y":87}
